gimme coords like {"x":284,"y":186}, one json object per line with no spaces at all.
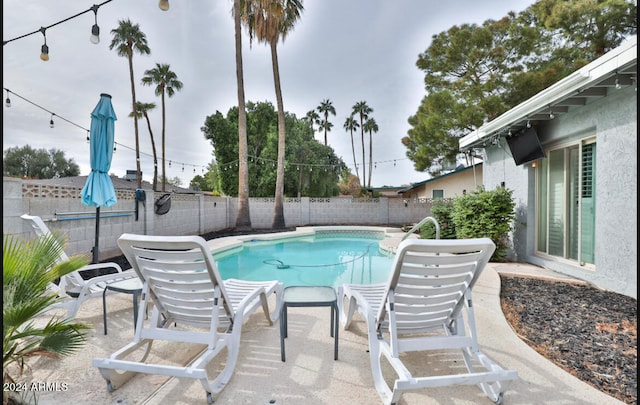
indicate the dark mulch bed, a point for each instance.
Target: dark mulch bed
{"x":588,"y":332}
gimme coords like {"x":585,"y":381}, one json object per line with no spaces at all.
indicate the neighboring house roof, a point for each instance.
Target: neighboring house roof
{"x":388,"y":191}
{"x":458,"y":170}
{"x":118,"y":183}
{"x":616,"y":68}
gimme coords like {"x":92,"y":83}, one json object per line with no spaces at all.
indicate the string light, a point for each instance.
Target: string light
{"x":8,"y":100}
{"x":164,"y":5}
{"x":95,"y":30}
{"x":44,"y":50}
{"x":88,"y":132}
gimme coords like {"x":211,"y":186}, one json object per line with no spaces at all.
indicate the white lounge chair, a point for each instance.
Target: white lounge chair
{"x":192,"y":304}
{"x":420,"y":309}
{"x":73,"y":287}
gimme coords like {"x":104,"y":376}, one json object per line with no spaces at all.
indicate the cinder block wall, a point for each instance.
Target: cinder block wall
{"x":191,"y":214}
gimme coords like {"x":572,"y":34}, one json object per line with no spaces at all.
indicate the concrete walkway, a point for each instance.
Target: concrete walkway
{"x":310,"y":375}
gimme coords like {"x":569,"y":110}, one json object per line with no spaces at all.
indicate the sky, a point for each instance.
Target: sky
{"x":343,"y":51}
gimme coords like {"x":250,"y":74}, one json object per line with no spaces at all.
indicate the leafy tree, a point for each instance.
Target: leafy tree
{"x":26,"y":162}
{"x":350,"y":184}
{"x":593,"y":26}
{"x":198,"y":182}
{"x":28,"y":268}
{"x":243,"y":218}
{"x":268,"y":21}
{"x":370,"y":126}
{"x":325,"y":108}
{"x":350,"y":124}
{"x":476,"y":73}
{"x":128,"y":38}
{"x":175,"y":181}
{"x":142,"y":110}
{"x":312,"y":168}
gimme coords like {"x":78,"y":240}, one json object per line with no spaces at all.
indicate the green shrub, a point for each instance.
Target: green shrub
{"x":441,"y":210}
{"x":28,"y":267}
{"x":488,"y":214}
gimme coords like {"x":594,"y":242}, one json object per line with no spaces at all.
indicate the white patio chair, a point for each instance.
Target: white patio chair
{"x":73,"y":287}
{"x":420,"y":308}
{"x":192,"y":305}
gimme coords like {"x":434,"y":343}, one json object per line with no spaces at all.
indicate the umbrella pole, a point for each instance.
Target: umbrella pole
{"x":95,"y":246}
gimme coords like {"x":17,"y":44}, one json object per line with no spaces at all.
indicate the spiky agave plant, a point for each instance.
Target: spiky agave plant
{"x":29,"y":268}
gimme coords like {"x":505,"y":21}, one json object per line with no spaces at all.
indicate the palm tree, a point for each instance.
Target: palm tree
{"x":326,"y":126}
{"x":312,"y":118}
{"x":128,"y":38}
{"x":141,"y":111}
{"x":363,"y":110}
{"x":370,"y":126}
{"x":243,"y":218}
{"x":350,"y":124}
{"x":28,"y":268}
{"x":167,"y":83}
{"x":325,"y":108}
{"x":268,"y":21}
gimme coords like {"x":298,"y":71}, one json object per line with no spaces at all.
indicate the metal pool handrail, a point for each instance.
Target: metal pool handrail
{"x":419,"y":224}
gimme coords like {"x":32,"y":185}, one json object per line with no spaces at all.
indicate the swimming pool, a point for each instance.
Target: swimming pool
{"x":309,"y":256}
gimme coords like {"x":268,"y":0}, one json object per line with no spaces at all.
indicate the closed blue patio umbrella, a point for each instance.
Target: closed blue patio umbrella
{"x":98,"y":191}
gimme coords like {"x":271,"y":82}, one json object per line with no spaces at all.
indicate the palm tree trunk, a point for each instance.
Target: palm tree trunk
{"x":278,"y":215}
{"x":353,"y":149}
{"x":135,"y":122}
{"x":364,"y":167}
{"x":370,"y":159}
{"x":164,"y":171}
{"x":326,"y":119}
{"x":243,"y":219}
{"x":155,"y":156}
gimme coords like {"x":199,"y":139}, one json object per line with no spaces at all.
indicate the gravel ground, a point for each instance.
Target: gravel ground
{"x":588,"y":332}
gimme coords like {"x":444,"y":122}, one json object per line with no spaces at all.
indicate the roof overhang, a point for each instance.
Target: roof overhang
{"x":617,"y":67}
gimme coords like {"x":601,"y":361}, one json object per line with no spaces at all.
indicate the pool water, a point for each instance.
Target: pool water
{"x":320,"y":260}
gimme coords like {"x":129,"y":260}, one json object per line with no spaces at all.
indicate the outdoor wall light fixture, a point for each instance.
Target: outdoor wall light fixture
{"x":164,"y":5}
{"x":44,"y":50}
{"x":95,"y":30}
{"x":51,"y":124}
{"x":7,"y":102}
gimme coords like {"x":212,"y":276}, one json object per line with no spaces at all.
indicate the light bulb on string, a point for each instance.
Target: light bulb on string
{"x":8,"y":100}
{"x":51,"y":124}
{"x":164,"y":5}
{"x":95,"y":29}
{"x":44,"y":49}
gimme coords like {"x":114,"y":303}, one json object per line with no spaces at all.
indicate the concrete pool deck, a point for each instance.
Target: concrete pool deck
{"x":310,"y":375}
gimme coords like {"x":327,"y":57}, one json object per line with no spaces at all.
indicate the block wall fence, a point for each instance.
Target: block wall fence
{"x":191,"y":214}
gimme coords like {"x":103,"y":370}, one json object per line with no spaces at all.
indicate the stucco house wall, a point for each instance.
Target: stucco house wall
{"x":453,"y":184}
{"x":613,"y":121}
